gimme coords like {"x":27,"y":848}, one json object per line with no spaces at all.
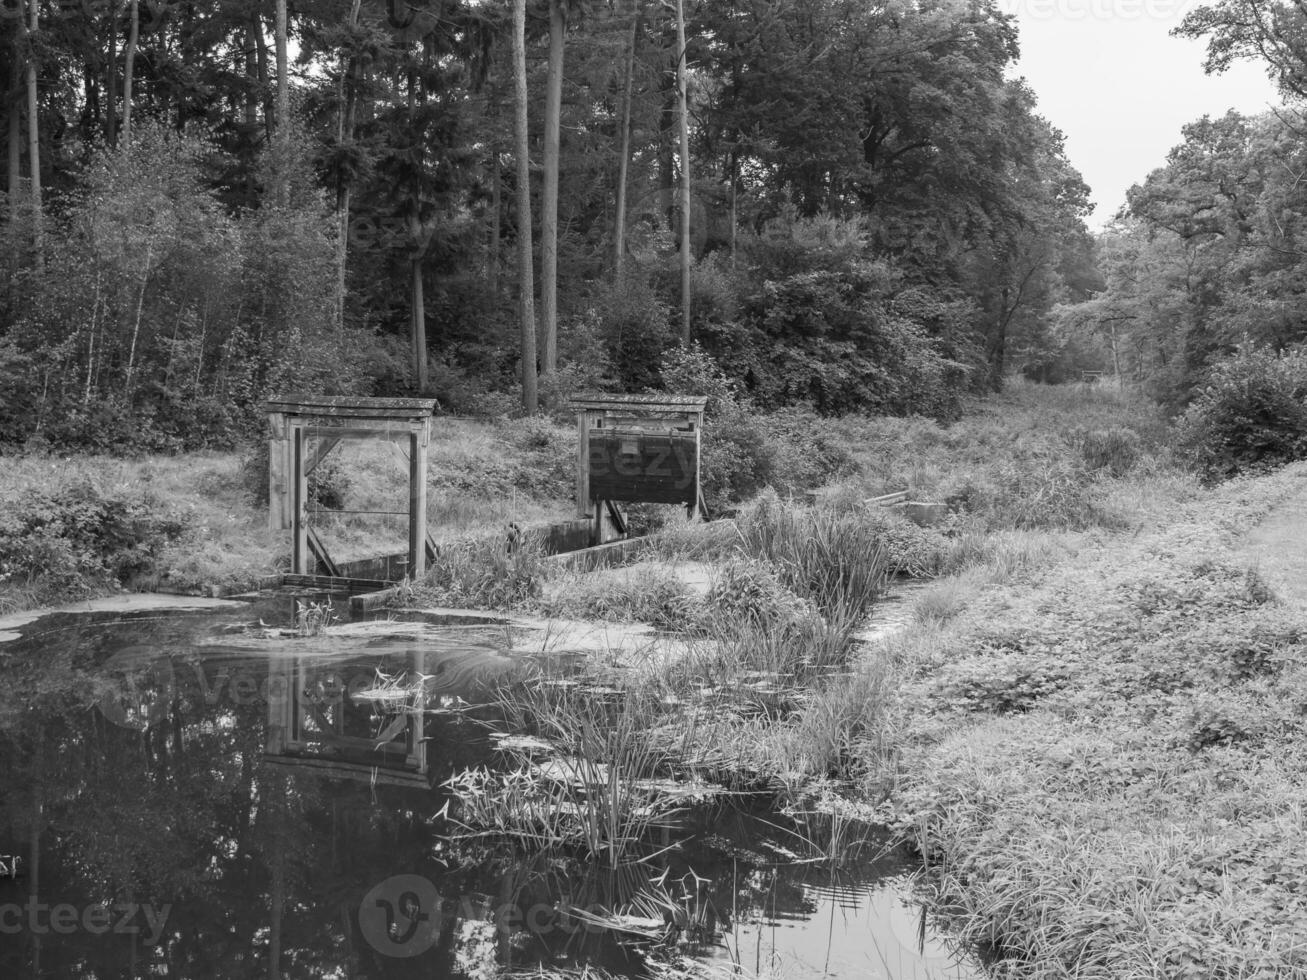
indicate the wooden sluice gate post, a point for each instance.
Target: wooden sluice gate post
{"x":303,"y":429}
{"x":636,"y":448}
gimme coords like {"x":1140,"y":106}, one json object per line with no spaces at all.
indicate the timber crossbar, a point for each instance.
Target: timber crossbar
{"x":303,"y":429}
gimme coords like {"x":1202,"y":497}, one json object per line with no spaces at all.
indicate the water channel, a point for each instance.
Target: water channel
{"x":184,"y":792}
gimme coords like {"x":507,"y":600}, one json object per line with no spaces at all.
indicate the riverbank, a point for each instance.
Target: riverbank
{"x":1103,"y":766}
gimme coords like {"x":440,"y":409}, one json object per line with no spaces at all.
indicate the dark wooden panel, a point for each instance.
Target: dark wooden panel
{"x":635,"y":466}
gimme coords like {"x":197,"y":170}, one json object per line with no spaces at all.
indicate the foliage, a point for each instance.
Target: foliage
{"x":835,"y":561}
{"x":1251,"y":414}
{"x":73,"y":538}
{"x":484,"y":572}
{"x":1113,"y":749}
{"x":159,"y":321}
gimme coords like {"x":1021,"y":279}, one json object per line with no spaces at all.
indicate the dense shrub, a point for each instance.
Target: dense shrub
{"x":72,"y":538}
{"x":1251,"y":415}
{"x":160,"y":320}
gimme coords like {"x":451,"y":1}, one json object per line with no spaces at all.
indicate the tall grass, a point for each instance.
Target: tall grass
{"x":597,"y":792}
{"x":835,"y":560}
{"x":484,"y":572}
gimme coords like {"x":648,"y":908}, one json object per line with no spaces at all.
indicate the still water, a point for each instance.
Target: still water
{"x":202,"y":794}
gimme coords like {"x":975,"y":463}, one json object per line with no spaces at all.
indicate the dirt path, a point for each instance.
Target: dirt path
{"x":1278,"y":547}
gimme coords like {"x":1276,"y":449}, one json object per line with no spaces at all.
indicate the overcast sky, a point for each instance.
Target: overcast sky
{"x":1108,"y":75}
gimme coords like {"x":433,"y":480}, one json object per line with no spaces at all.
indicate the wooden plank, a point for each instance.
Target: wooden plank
{"x":277,"y":490}
{"x":319,"y":551}
{"x":331,"y":584}
{"x":886,"y":499}
{"x":386,"y":429}
{"x":583,"y":420}
{"x":417,"y":506}
{"x":299,"y":519}
{"x":350,"y":406}
{"x":682,"y":404}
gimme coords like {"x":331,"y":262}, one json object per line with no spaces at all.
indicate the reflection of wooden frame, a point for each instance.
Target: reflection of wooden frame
{"x":303,"y":430}
{"x":300,"y":728}
{"x":332,"y":769}
{"x":666,"y":429}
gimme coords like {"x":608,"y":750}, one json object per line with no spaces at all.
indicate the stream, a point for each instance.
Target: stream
{"x":186,"y":791}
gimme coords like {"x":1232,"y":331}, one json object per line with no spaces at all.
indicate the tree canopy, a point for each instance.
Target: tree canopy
{"x":870,"y":193}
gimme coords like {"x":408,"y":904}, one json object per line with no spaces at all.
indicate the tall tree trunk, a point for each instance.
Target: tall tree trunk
{"x":345,"y":133}
{"x":685,"y":171}
{"x":282,"y":133}
{"x":735,"y":211}
{"x":667,"y":155}
{"x":261,"y":59}
{"x":129,"y":66}
{"x":549,"y":192}
{"x":624,"y":152}
{"x":111,"y":79}
{"x":34,"y":134}
{"x":521,"y":138}
{"x":419,"y":328}
{"x":420,"y":237}
{"x":15,"y":125}
{"x":492,"y":230}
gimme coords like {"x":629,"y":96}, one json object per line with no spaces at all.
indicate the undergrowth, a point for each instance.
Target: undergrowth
{"x":1104,"y":772}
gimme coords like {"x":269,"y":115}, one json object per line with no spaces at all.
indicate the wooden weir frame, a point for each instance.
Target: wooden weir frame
{"x":679,"y":415}
{"x":294,"y":421}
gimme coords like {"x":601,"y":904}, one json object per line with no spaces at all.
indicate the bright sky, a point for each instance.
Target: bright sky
{"x":1111,"y":78}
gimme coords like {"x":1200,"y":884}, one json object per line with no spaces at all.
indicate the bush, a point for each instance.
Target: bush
{"x":67,"y":540}
{"x":1251,"y":416}
{"x":836,"y":561}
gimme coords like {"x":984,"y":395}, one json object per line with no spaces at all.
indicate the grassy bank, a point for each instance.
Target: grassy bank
{"x":1104,"y":767}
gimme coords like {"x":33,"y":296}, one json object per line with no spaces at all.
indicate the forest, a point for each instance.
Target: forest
{"x":853,"y":207}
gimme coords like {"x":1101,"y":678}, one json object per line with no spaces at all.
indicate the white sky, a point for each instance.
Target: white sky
{"x":1108,"y":75}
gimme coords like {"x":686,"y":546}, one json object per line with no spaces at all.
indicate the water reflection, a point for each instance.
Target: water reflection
{"x":200,"y":795}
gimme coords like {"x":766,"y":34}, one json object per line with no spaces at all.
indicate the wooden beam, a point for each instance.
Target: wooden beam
{"x":318,"y":451}
{"x":276,"y":471}
{"x":364,"y":430}
{"x":299,"y":519}
{"x":417,"y":505}
{"x":583,"y":421}
{"x":640,"y":404}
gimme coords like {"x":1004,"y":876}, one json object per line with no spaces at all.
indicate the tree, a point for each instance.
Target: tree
{"x":549,"y":190}
{"x":129,"y":66}
{"x":525,"y":285}
{"x":1271,"y":31}
{"x":683,"y":117}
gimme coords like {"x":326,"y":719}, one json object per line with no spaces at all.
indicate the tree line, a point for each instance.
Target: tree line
{"x":1205,"y":262}
{"x":853,"y":206}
